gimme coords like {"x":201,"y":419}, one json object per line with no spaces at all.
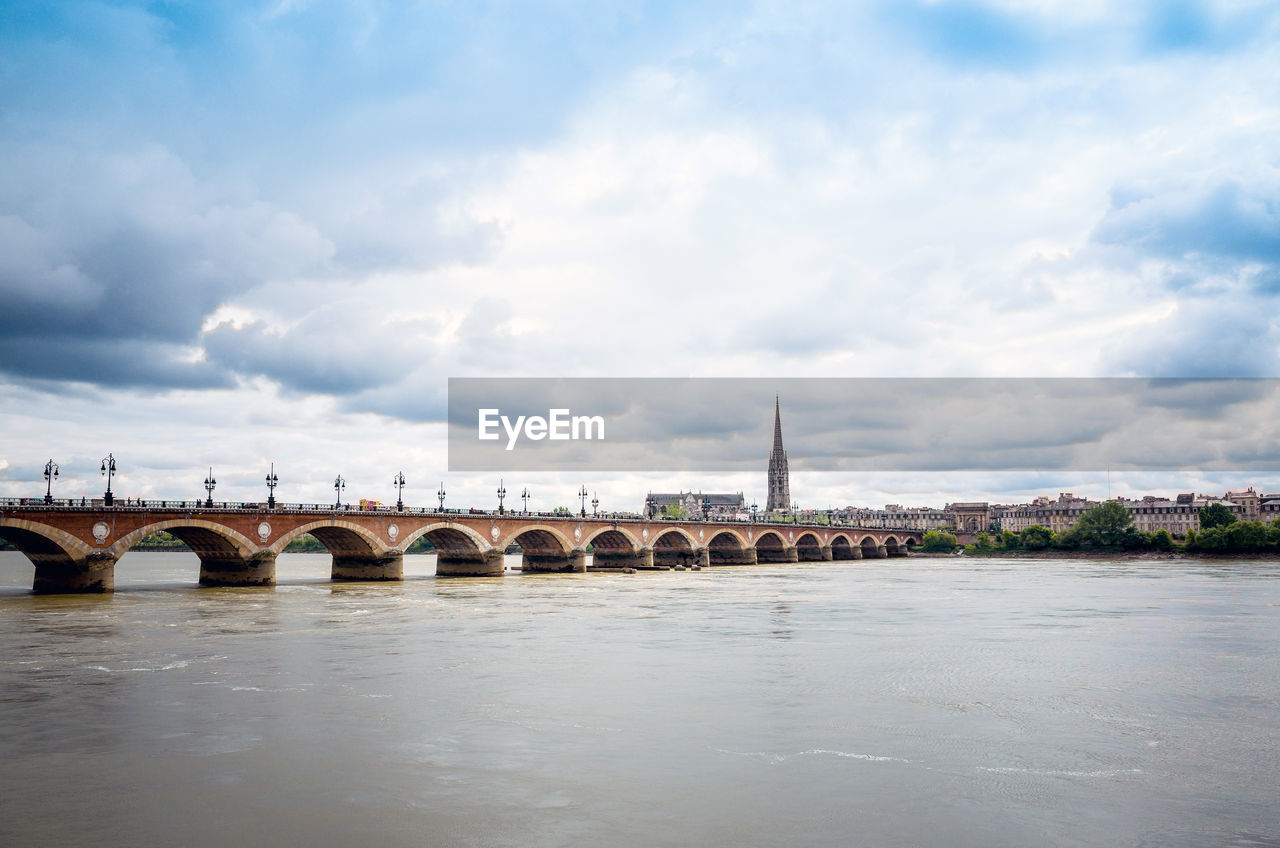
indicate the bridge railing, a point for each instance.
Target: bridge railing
{"x":131,"y":504}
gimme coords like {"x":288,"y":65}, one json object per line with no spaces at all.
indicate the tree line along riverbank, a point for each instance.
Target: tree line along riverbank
{"x":1108,"y":528}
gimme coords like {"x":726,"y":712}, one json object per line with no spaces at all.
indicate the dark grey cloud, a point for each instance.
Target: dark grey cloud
{"x":881,"y":424}
{"x":109,"y":264}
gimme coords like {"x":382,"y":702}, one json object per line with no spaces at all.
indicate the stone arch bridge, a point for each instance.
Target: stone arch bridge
{"x":75,"y":549}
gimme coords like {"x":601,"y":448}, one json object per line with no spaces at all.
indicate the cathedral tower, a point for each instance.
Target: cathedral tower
{"x":779,"y":476}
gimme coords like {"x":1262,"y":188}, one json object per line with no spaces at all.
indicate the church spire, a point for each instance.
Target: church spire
{"x":779,"y":476}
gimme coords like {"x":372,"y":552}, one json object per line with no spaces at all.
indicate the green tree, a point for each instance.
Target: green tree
{"x":1246,"y":535}
{"x":1106,"y":525}
{"x":1214,"y":540}
{"x":1215,"y":515}
{"x":938,"y":540}
{"x":1009,"y":540}
{"x":983,"y":542}
{"x":1161,"y":540}
{"x":1037,"y":537}
{"x":1273,"y":532}
{"x":1068,"y":541}
{"x":674,"y":512}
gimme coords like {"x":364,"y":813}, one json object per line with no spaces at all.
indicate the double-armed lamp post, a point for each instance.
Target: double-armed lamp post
{"x":209,"y":483}
{"x":502,"y":494}
{"x":524,"y":496}
{"x":583,"y":494}
{"x":440,"y":494}
{"x":399,"y":484}
{"x":50,"y":474}
{"x":272,"y":482}
{"x":338,"y":485}
{"x":108,"y":469}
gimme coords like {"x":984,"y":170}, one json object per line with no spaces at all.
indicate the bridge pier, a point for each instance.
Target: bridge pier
{"x":825,"y":552}
{"x":899,"y":551}
{"x":882,"y":552}
{"x":674,"y":557}
{"x":574,"y":562}
{"x":855,"y":552}
{"x":470,"y":564}
{"x":256,"y":570}
{"x":622,"y":559}
{"x":732,"y":556}
{"x":96,"y":573}
{"x":387,"y":567}
{"x":704,"y":557}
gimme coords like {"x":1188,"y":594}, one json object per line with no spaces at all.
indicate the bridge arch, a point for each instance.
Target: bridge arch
{"x":540,"y":537}
{"x":341,"y":538}
{"x":450,"y":538}
{"x":727,"y":547}
{"x":205,"y":538}
{"x":612,"y":538}
{"x":808,"y":548}
{"x":841,"y":547}
{"x":41,"y":543}
{"x":870,"y":547}
{"x":893,"y":547}
{"x":674,"y":546}
{"x":771,"y":547}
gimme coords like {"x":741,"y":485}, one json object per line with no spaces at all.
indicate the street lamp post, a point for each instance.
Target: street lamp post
{"x":338,"y":485}
{"x":706,"y":509}
{"x":109,"y":469}
{"x":440,"y":494}
{"x":399,"y":484}
{"x":502,"y":494}
{"x":272,"y":482}
{"x":583,"y":494}
{"x":50,"y":474}
{"x":209,"y":483}
{"x":754,"y":507}
{"x":524,"y":496}
{"x":595,"y":505}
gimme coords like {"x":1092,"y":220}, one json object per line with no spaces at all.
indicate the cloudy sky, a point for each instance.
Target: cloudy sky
{"x":232,"y":234}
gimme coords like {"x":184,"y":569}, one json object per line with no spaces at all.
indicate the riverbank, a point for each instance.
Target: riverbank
{"x":1000,"y":553}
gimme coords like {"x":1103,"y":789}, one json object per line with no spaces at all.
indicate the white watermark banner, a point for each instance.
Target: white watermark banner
{"x":864,"y":424}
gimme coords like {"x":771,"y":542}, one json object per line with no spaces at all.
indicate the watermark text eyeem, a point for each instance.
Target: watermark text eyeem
{"x":559,"y":425}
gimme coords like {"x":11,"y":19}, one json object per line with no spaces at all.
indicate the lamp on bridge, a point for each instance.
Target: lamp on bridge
{"x":706,"y":508}
{"x":338,"y":485}
{"x":524,"y":496}
{"x":583,"y":494}
{"x":440,"y":494}
{"x":595,"y":504}
{"x":502,"y":493}
{"x":209,"y":483}
{"x":272,"y":482}
{"x":50,"y":474}
{"x":754,"y":506}
{"x":109,"y":469}
{"x":399,"y":484}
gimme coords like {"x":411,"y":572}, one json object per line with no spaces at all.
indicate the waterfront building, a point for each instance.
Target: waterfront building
{"x":1249,"y":502}
{"x":779,"y":476}
{"x":972,"y":517}
{"x":697,"y":504}
{"x":1269,"y":508}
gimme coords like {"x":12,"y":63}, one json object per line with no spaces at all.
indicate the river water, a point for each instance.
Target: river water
{"x":931,"y":702}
